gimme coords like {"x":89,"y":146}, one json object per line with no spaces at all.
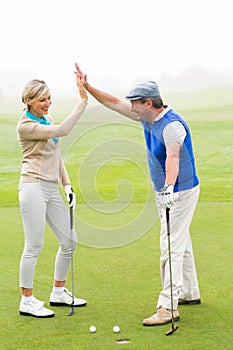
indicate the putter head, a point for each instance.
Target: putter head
{"x":70,"y":313}
{"x":172,"y":330}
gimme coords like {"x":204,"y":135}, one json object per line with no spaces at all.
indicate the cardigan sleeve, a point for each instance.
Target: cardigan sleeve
{"x":65,"y":180}
{"x":31,"y":130}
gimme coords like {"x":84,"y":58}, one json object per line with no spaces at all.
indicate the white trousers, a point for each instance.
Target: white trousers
{"x":184,"y":277}
{"x":41,"y":202}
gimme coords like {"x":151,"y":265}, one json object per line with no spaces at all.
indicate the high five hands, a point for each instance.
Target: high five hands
{"x":81,"y":75}
{"x":81,"y":79}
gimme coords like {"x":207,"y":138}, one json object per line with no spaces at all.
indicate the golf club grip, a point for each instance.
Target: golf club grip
{"x":71,"y":218}
{"x":168,"y":221}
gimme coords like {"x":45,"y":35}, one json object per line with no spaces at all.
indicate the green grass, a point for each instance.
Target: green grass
{"x":117,"y":260}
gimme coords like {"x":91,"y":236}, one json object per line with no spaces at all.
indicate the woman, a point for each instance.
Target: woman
{"x":40,"y":200}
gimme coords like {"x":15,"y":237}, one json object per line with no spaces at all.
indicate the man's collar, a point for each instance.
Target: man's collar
{"x":167,"y":108}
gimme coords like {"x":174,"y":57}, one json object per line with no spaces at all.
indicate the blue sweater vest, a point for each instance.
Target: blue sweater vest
{"x":156,"y":154}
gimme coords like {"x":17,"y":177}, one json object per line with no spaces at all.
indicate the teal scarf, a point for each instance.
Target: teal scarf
{"x":41,"y":121}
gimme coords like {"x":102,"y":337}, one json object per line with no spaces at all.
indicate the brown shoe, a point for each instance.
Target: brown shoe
{"x":162,"y":316}
{"x":189,"y":302}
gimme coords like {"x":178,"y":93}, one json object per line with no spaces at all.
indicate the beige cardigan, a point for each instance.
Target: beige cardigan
{"x":41,"y":157}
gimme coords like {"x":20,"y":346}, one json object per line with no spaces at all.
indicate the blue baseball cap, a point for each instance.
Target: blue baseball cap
{"x":146,"y":89}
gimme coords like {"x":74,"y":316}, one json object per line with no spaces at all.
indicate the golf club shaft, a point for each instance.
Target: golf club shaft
{"x":72,"y":261}
{"x":72,"y":256}
{"x":170,"y":262}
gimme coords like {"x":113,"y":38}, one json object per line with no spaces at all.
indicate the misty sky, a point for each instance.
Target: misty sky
{"x":114,"y":41}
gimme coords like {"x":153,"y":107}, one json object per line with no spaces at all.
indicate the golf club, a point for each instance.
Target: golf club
{"x":70,"y":313}
{"x":170,"y":269}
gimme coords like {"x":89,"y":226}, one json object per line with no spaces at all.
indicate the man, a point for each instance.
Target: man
{"x":172,"y":169}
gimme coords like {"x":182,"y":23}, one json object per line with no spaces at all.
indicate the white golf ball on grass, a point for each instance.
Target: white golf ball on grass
{"x":116,"y":329}
{"x":92,"y":329}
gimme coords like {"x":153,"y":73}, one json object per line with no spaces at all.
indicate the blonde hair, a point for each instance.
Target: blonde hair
{"x":34,"y":89}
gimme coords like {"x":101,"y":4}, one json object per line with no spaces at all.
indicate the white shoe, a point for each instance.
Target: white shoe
{"x":66,"y":299}
{"x":35,"y":308}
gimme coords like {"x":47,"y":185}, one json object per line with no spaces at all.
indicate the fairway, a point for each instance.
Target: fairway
{"x":117,"y":260}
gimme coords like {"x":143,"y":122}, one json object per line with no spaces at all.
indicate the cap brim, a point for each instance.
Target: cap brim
{"x":133,"y":98}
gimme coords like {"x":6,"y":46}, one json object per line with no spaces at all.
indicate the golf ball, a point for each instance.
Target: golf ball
{"x":116,"y":329}
{"x":92,"y":329}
